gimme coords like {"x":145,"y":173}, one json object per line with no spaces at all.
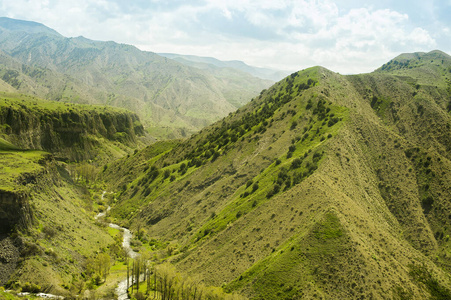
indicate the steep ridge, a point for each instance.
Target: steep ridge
{"x":69,"y":131}
{"x":172,"y":99}
{"x":324,"y":186}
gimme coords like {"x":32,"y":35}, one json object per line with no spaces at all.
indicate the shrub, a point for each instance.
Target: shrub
{"x":140,"y":296}
{"x":332,"y":121}
{"x":31,"y":287}
{"x":274,"y":191}
{"x":49,"y":232}
{"x":296,"y":163}
{"x":255,"y":187}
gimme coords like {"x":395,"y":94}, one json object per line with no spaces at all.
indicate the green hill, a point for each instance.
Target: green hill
{"x":324,"y":186}
{"x":171,"y":99}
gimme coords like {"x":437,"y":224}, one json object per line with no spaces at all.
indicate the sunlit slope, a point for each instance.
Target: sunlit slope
{"x":324,"y":186}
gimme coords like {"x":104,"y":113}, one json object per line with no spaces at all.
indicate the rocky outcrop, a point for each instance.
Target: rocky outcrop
{"x":9,"y":257}
{"x":69,"y":131}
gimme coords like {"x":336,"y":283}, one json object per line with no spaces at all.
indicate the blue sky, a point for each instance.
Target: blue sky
{"x":345,"y":36}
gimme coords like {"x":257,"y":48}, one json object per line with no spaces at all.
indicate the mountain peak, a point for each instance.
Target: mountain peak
{"x":25,"y":26}
{"x":418,"y":60}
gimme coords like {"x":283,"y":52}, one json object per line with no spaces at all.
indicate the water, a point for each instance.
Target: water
{"x":126,"y":241}
{"x":121,"y":289}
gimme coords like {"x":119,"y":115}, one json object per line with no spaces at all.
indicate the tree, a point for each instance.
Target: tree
{"x":104,"y":264}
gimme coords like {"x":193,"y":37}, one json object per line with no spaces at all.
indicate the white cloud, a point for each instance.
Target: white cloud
{"x":286,"y":34}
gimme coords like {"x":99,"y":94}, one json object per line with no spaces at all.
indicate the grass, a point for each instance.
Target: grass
{"x":21,"y":101}
{"x":113,"y":232}
{"x":286,"y":272}
{"x":17,"y":165}
{"x":239,"y":205}
{"x":118,"y":272}
{"x":62,"y":232}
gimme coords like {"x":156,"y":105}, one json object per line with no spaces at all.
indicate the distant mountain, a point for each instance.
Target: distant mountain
{"x":207,"y":62}
{"x":171,"y":99}
{"x":323,"y":187}
{"x":26,"y":26}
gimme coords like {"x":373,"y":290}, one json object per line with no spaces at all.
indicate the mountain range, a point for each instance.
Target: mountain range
{"x":172,"y":99}
{"x":212,"y":63}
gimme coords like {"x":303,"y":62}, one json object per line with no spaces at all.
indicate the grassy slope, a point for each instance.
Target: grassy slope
{"x":365,"y":213}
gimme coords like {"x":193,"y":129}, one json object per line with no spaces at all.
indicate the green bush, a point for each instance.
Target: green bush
{"x":255,"y":187}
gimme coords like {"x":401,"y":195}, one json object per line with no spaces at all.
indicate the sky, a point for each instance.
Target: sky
{"x":348,"y":36}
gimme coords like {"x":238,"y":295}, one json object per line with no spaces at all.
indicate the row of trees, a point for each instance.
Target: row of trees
{"x":163,"y":282}
{"x":84,"y":172}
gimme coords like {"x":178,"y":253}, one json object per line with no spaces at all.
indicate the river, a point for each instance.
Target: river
{"x":121,"y":289}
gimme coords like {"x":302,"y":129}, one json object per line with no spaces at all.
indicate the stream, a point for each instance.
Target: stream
{"x":121,"y":289}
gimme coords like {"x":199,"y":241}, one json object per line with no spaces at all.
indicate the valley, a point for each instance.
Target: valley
{"x":318,"y":186}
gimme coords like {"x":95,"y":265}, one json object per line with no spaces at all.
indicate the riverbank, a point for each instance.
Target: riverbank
{"x":117,"y":279}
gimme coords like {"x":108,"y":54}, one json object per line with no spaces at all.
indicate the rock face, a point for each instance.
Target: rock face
{"x":14,"y":211}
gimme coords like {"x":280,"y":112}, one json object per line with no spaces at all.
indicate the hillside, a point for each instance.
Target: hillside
{"x":324,"y":186}
{"x":171,"y":99}
{"x":50,"y":153}
{"x":47,"y":229}
{"x":71,"y":132}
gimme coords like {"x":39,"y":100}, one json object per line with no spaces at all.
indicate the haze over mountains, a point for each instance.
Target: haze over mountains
{"x":210,"y":62}
{"x":322,"y":186}
{"x":172,"y":99}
